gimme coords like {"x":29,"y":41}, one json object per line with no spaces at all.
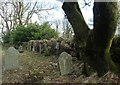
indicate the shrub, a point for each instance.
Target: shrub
{"x":33,"y":31}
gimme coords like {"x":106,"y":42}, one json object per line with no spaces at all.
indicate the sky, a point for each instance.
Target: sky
{"x":58,"y":14}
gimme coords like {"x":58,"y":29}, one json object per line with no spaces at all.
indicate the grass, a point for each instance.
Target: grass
{"x":32,"y":65}
{"x":37,"y":68}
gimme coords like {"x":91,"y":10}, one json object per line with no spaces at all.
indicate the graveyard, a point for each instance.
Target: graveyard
{"x":32,"y":66}
{"x":59,"y":42}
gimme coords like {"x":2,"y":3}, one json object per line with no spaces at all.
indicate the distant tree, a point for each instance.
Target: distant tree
{"x":20,"y":12}
{"x":67,"y":28}
{"x":45,"y":32}
{"x":31,"y":32}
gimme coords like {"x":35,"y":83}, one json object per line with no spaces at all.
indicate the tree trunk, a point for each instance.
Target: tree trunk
{"x":98,"y":42}
{"x":105,"y":24}
{"x":77,"y":21}
{"x":79,"y":25}
{"x":80,"y":28}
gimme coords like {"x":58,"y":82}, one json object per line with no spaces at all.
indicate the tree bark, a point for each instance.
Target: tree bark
{"x":98,"y":42}
{"x":105,"y":24}
{"x":80,"y":28}
{"x":77,"y":21}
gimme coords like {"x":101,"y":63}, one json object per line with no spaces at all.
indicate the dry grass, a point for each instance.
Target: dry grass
{"x":36,"y":68}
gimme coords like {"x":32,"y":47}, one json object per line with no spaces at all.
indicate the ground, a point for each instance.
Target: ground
{"x":37,"y":68}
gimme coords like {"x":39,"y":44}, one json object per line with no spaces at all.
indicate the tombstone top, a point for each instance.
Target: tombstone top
{"x":11,"y":59}
{"x":65,"y":63}
{"x":65,"y":55}
{"x":20,"y":49}
{"x":12,"y":50}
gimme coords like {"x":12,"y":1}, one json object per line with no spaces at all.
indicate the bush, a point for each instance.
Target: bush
{"x":45,"y":32}
{"x":33,"y":31}
{"x":6,"y":38}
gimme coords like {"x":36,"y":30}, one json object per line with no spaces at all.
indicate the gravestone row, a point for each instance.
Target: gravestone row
{"x":53,"y":46}
{"x":11,"y":61}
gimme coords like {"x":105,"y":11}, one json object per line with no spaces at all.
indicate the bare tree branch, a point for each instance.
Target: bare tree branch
{"x":20,"y":13}
{"x":87,"y":3}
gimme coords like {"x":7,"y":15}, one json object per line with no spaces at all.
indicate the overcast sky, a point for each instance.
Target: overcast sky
{"x":58,"y":14}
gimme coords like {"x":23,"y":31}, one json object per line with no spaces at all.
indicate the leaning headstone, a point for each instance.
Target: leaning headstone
{"x":65,"y":63}
{"x":11,"y":59}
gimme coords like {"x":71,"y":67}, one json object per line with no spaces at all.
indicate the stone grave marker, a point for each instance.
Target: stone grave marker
{"x":20,"y":49}
{"x":34,"y":46}
{"x":11,"y":59}
{"x":65,"y":63}
{"x":40,"y":48}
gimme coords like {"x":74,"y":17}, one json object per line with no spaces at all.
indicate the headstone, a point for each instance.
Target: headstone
{"x":37,"y":46}
{"x":33,"y":49}
{"x":11,"y":59}
{"x":20,"y":49}
{"x":45,"y":47}
{"x":40,"y":48}
{"x":31,"y":45}
{"x":57,"y":46}
{"x":65,"y":63}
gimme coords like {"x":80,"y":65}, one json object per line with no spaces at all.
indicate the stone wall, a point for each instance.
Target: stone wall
{"x":52,"y":46}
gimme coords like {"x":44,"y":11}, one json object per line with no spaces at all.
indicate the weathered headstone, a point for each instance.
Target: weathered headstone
{"x":65,"y":63}
{"x":34,"y":46}
{"x":57,"y":46}
{"x":45,"y":47}
{"x":20,"y":49}
{"x":11,"y":59}
{"x":40,"y":48}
